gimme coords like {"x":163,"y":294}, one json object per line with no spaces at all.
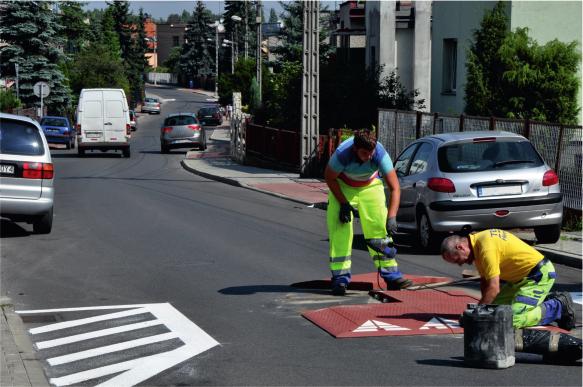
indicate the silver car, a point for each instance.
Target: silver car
{"x":151,"y":105}
{"x":476,"y":180}
{"x":26,"y":168}
{"x":182,"y":130}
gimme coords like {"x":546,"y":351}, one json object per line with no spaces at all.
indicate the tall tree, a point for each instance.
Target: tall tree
{"x":33,"y":39}
{"x":245,"y":28}
{"x":75,"y":30}
{"x":196,"y":58}
{"x":272,"y":16}
{"x":120,"y":11}
{"x":136,"y":61}
{"x":483,"y":90}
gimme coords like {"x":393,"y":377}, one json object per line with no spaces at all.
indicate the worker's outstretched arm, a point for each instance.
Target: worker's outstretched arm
{"x":330,"y":176}
{"x":490,"y":289}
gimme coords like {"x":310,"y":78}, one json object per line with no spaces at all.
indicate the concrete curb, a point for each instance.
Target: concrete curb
{"x":20,"y":365}
{"x":561,"y":258}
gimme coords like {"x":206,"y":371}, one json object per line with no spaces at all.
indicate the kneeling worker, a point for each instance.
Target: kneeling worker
{"x":352,"y":175}
{"x":528,"y":275}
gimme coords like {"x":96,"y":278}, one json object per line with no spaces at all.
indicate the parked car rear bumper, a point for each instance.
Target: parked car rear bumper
{"x":59,"y":139}
{"x":450,"y":205}
{"x":528,"y":214}
{"x":18,"y":209}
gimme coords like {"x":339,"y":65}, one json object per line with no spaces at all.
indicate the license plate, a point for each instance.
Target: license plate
{"x":7,"y":169}
{"x":499,"y":190}
{"x":93,"y":134}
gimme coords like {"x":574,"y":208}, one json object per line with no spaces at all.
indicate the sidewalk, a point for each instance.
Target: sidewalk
{"x":216,"y":164}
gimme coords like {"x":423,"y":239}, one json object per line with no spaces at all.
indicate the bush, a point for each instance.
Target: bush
{"x":8,"y":101}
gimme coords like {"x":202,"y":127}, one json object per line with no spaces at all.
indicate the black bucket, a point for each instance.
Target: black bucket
{"x":488,"y":336}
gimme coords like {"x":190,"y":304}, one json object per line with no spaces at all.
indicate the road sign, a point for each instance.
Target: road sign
{"x":41,"y":86}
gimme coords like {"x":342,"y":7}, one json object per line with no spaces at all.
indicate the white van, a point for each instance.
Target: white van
{"x":103,"y":121}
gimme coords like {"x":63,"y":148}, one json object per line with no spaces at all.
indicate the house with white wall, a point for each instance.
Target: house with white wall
{"x":452,"y":32}
{"x":398,"y":36}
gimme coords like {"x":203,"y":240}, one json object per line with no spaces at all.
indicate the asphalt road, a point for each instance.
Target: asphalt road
{"x":143,"y":230}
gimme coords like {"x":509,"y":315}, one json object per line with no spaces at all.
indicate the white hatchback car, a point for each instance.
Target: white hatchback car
{"x":467,"y":181}
{"x":26,"y":168}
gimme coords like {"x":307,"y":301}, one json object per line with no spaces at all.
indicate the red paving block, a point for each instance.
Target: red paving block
{"x":421,"y":312}
{"x":368,"y":281}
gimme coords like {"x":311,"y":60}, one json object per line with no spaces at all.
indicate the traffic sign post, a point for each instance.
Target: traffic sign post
{"x":41,"y":89}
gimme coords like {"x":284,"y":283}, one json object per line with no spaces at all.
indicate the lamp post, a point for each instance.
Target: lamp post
{"x":230,"y":43}
{"x":216,"y":26}
{"x":236,"y":19}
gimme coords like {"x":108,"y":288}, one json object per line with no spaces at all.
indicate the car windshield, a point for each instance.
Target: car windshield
{"x":487,"y":156}
{"x":53,"y":122}
{"x":150,"y":100}
{"x":20,"y":138}
{"x":180,"y":120}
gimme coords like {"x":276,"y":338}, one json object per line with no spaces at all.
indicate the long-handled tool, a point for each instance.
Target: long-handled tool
{"x":445,"y":283}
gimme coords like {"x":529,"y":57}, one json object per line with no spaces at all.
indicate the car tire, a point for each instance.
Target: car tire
{"x":548,"y":234}
{"x":44,"y":224}
{"x":164,"y":148}
{"x":426,"y":237}
{"x":80,"y":152}
{"x":68,"y":145}
{"x":126,"y":152}
{"x":73,"y":143}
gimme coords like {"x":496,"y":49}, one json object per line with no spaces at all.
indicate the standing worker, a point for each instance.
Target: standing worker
{"x":352,"y":174}
{"x":499,"y":255}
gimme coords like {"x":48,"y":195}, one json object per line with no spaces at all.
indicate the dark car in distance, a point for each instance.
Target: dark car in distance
{"x":58,"y":130}
{"x":210,"y":115}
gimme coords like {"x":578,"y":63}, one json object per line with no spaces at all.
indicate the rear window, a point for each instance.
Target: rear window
{"x":151,"y":100}
{"x":53,"y":122}
{"x":204,"y":111}
{"x":20,"y":138}
{"x":488,"y":156}
{"x":180,"y":120}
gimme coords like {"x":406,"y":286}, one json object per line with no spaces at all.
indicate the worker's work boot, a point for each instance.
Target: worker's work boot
{"x":568,"y":317}
{"x":339,"y":289}
{"x":398,"y":284}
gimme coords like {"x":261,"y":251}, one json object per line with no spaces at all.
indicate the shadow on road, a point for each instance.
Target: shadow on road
{"x":10,"y":229}
{"x":253,"y":289}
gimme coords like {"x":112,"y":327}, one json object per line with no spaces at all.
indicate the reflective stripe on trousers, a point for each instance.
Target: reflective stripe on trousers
{"x":526,"y":296}
{"x":372,"y":210}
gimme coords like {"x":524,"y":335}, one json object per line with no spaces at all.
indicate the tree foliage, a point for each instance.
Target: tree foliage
{"x":246,"y":10}
{"x":511,"y":75}
{"x":33,"y":36}
{"x":197,"y":57}
{"x":75,"y":29}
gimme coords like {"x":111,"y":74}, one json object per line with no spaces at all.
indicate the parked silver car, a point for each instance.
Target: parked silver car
{"x":151,"y":105}
{"x":26,"y":168}
{"x":476,"y":180}
{"x":182,"y":130}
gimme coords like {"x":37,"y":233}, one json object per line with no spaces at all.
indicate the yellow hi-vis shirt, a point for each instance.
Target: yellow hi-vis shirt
{"x":499,"y":253}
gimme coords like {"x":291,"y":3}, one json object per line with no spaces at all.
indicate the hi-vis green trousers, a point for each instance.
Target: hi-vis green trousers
{"x":371,"y":203}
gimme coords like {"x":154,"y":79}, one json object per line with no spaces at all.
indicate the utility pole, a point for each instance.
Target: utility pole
{"x":310,"y":88}
{"x":246,"y":29}
{"x":258,"y":22}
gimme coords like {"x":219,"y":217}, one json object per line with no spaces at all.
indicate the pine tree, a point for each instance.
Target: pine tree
{"x":272,"y":16}
{"x":75,"y":28}
{"x":197,"y":58}
{"x":32,"y":36}
{"x":246,"y":10}
{"x":136,"y":61}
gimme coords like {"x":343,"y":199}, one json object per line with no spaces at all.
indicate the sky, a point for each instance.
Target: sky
{"x":161,"y":9}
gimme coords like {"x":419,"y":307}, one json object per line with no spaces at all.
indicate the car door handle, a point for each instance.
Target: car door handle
{"x":108,"y":123}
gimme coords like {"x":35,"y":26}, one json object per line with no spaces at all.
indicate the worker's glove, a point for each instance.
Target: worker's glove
{"x":345,"y":210}
{"x":391,"y":225}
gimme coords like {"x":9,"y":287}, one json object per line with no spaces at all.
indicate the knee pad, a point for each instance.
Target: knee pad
{"x":383,"y":246}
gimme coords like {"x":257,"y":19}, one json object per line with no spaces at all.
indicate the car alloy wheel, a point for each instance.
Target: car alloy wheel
{"x":426,"y":236}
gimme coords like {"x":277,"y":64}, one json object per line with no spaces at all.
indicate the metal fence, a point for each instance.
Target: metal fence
{"x":278,"y":148}
{"x":560,"y":145}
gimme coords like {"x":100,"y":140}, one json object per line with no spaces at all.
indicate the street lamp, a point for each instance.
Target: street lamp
{"x":217,"y":25}
{"x":230,"y":43}
{"x":236,"y":19}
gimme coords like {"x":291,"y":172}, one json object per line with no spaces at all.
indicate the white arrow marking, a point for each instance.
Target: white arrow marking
{"x":440,"y":323}
{"x":110,"y":348}
{"x":195,"y":342}
{"x":96,"y":334}
{"x":374,"y":325}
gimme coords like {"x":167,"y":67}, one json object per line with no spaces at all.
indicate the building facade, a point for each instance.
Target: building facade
{"x":454,"y":23}
{"x":398,"y":36}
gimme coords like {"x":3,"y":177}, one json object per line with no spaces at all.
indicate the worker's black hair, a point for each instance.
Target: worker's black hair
{"x":365,"y":139}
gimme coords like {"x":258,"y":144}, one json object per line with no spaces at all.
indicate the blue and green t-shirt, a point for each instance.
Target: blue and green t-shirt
{"x":351,"y":169}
